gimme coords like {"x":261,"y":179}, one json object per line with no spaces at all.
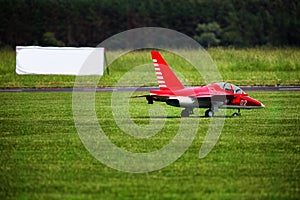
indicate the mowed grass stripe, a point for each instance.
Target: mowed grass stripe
{"x":42,"y":157}
{"x":254,"y":66}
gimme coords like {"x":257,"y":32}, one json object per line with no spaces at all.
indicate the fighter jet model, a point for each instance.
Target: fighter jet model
{"x":212,"y":96}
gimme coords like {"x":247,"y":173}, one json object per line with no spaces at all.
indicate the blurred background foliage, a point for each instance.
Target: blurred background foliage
{"x":211,"y":22}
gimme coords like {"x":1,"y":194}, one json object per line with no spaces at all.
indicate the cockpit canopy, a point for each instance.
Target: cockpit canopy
{"x":230,"y":87}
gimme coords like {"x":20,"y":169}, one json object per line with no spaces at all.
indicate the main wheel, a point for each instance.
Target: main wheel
{"x":209,"y":113}
{"x":185,"y":113}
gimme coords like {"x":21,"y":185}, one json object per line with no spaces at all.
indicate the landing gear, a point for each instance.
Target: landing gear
{"x":209,"y":113}
{"x":149,"y":99}
{"x":186,"y":112}
{"x":237,"y":114}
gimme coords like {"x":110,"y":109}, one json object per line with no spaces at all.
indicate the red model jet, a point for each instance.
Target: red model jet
{"x":212,"y":96}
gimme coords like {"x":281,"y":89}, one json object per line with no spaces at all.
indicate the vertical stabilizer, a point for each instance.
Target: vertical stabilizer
{"x":165,"y":76}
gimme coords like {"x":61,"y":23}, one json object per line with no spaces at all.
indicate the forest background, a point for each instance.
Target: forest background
{"x":234,"y":23}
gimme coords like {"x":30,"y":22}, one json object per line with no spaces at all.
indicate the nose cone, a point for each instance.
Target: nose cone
{"x":254,"y":103}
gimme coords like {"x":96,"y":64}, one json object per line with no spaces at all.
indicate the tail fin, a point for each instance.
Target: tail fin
{"x":165,"y":76}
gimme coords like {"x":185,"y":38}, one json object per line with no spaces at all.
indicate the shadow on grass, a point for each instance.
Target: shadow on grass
{"x":178,"y":117}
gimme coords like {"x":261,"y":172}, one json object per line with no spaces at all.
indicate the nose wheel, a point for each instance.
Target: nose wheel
{"x":237,"y":114}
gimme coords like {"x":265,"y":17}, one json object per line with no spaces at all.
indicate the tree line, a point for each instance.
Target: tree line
{"x":211,"y":22}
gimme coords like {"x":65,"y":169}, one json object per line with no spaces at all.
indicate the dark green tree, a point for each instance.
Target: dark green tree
{"x":208,"y":34}
{"x":49,"y":39}
{"x":89,"y":22}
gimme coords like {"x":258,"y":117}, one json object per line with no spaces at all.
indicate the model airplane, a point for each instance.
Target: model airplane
{"x":212,"y":96}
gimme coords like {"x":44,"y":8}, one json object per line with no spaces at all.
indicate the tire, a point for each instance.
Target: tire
{"x":185,"y":113}
{"x":236,"y":114}
{"x":209,"y":113}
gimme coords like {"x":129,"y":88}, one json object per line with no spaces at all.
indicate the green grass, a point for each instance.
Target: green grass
{"x":242,"y":67}
{"x":42,"y":157}
{"x":258,"y":66}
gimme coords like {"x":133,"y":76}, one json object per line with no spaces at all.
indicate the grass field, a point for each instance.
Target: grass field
{"x":242,"y":67}
{"x":42,"y":157}
{"x":256,"y":157}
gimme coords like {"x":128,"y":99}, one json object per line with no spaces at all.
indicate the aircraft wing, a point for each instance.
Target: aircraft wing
{"x":139,"y":96}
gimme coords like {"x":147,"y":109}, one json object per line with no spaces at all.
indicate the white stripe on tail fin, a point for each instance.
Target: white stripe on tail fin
{"x":165,"y":76}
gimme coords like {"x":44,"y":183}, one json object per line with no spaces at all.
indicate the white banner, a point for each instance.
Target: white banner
{"x":59,"y":60}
